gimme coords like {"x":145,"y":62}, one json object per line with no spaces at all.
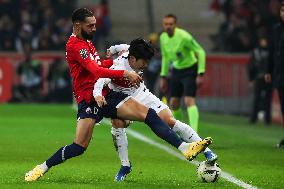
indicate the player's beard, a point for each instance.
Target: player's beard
{"x":87,"y":36}
{"x":170,"y":32}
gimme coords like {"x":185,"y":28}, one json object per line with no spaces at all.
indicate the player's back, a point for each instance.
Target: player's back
{"x":120,"y":84}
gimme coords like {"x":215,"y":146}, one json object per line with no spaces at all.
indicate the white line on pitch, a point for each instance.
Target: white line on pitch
{"x":139,"y":136}
{"x":224,"y":175}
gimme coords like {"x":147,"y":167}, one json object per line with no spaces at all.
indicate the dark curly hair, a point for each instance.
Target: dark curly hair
{"x":141,"y":49}
{"x":80,"y":14}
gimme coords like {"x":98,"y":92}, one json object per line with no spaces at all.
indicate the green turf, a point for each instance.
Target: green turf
{"x":31,"y":133}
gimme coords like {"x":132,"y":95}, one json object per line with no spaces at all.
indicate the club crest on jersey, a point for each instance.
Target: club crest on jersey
{"x":88,"y":110}
{"x":84,"y":53}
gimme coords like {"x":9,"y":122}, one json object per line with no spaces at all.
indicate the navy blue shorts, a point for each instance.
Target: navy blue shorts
{"x":113,"y":99}
{"x":91,"y":110}
{"x":183,"y":82}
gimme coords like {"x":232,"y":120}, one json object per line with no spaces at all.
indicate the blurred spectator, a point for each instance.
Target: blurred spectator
{"x":59,"y":83}
{"x":43,"y":24}
{"x":103,"y":24}
{"x":275,"y":70}
{"x":245,"y":21}
{"x":7,"y":34}
{"x":30,"y":88}
{"x":262,"y":91}
{"x":153,"y":70}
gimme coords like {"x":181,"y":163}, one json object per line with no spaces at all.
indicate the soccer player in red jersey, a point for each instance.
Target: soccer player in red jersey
{"x":86,"y":68}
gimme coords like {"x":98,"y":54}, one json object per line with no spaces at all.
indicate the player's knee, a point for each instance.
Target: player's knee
{"x":189,"y":101}
{"x":84,"y":144}
{"x":174,"y":106}
{"x":171,"y":121}
{"x":117,"y":123}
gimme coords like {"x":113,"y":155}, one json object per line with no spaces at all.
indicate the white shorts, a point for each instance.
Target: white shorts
{"x":149,"y":100}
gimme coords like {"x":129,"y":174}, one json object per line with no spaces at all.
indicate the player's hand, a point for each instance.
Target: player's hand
{"x":101,"y":101}
{"x":267,"y":78}
{"x":199,"y":80}
{"x":164,"y":85}
{"x":133,"y":77}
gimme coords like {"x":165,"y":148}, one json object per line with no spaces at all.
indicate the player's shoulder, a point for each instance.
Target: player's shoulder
{"x":183,"y":33}
{"x":74,"y":43}
{"x":163,"y":35}
{"x":121,"y":60}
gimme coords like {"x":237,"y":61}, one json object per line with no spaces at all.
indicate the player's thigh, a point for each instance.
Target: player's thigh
{"x":88,"y":114}
{"x":167,"y":116}
{"x":84,"y":131}
{"x":132,"y":110}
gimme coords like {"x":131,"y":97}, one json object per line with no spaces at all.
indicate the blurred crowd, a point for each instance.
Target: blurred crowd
{"x":245,"y":22}
{"x":30,"y":26}
{"x":41,"y":24}
{"x":44,"y":24}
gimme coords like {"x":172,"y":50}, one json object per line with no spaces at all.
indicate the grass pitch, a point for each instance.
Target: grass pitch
{"x":29,"y":134}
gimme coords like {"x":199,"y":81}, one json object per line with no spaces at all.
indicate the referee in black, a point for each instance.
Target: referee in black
{"x":275,"y":70}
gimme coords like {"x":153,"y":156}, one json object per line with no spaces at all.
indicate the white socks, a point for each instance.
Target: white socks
{"x":183,"y":147}
{"x":44,"y":167}
{"x":121,"y":144}
{"x":186,"y":133}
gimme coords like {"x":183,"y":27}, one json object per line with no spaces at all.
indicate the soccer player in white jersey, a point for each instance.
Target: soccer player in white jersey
{"x":145,"y":97}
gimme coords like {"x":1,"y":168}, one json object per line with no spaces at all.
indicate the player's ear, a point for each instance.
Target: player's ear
{"x":132,"y":59}
{"x":77,"y":25}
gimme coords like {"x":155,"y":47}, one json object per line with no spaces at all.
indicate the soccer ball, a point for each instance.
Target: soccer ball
{"x":208,"y":173}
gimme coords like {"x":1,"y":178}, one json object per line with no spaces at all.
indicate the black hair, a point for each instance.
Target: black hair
{"x":80,"y":14}
{"x":282,"y":4}
{"x":171,"y":16}
{"x":141,"y":49}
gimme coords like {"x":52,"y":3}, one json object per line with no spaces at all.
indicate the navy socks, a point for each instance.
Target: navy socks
{"x":65,"y":153}
{"x":161,"y":129}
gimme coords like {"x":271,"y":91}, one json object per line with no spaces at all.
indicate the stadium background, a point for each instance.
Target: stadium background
{"x":30,"y":131}
{"x":47,"y":28}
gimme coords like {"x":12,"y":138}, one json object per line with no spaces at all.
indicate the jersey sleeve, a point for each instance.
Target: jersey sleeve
{"x":118,"y":48}
{"x":192,"y":44}
{"x":99,"y":85}
{"x":165,"y":60}
{"x":107,"y":63}
{"x":82,"y":56}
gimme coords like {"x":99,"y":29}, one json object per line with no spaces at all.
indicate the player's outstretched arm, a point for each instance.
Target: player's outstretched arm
{"x":100,"y":72}
{"x":117,"y":49}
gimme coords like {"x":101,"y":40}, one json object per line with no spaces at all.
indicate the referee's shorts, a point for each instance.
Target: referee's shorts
{"x":183,"y":82}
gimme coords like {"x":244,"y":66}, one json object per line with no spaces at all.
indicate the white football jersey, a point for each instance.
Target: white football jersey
{"x":141,"y":94}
